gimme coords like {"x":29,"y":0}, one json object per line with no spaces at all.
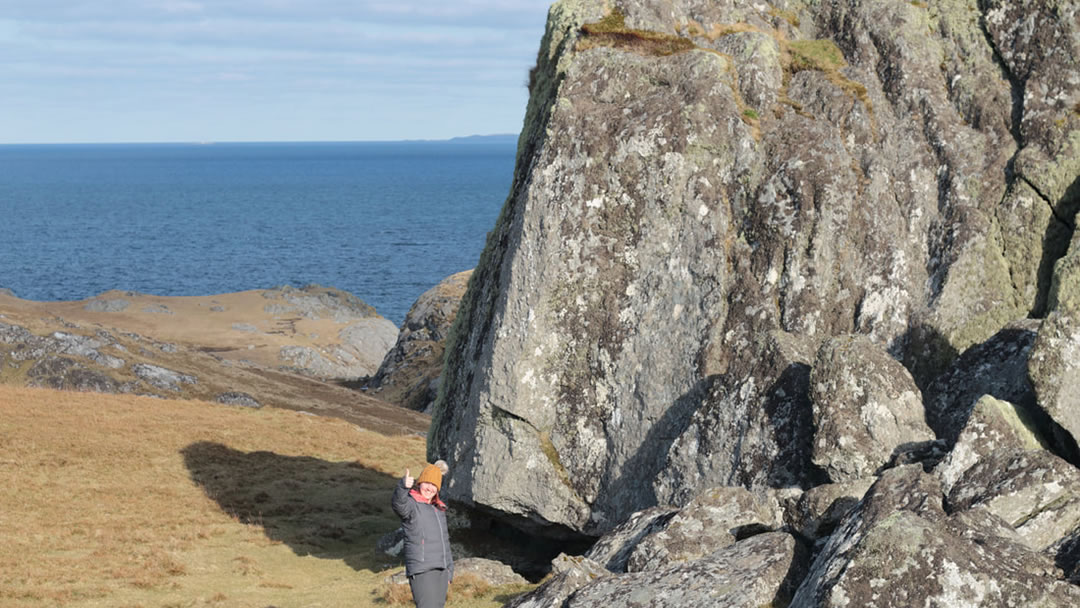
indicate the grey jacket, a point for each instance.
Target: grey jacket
{"x":427,"y":542}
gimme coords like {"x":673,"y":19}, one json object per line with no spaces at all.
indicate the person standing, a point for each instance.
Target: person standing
{"x":429,"y":565}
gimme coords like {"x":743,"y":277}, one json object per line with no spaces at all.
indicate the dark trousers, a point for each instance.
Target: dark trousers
{"x":429,"y":588}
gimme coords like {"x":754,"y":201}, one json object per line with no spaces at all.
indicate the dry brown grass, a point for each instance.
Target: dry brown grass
{"x":131,"y":501}
{"x":611,"y":31}
{"x":466,"y":590}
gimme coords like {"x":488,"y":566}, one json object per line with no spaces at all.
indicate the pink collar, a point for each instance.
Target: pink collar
{"x":418,"y":497}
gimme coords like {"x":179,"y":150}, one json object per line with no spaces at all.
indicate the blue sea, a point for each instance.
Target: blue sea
{"x":384,"y":221}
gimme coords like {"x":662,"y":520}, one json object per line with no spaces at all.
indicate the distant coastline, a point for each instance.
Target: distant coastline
{"x":503,"y":138}
{"x":383,"y":221}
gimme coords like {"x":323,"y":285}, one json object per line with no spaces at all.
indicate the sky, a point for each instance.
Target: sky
{"x":81,"y":71}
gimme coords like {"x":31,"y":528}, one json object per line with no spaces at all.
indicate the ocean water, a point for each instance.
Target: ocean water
{"x":383,"y":221}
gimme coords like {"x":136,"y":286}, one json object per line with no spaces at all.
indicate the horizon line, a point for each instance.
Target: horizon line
{"x":264,"y":141}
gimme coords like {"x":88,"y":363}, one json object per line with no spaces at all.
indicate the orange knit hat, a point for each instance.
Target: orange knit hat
{"x":431,"y":474}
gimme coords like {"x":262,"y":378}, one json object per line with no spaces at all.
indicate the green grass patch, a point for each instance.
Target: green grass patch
{"x":820,"y":54}
{"x":553,"y":457}
{"x":789,"y":16}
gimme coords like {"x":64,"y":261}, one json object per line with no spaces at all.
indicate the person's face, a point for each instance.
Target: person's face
{"x":427,"y":490}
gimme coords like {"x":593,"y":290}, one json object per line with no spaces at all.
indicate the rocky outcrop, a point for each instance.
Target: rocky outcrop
{"x":191,"y":354}
{"x":706,"y":192}
{"x":360,"y":345}
{"x":238,"y":398}
{"x":65,"y":373}
{"x":409,"y":374}
{"x":900,"y":548}
{"x":796,"y":247}
{"x":754,"y":572}
{"x":748,"y":574}
{"x":161,"y":377}
{"x":106,"y":305}
{"x":317,"y":302}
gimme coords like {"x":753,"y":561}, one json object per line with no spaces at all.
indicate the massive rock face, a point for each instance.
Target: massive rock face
{"x":708,"y":191}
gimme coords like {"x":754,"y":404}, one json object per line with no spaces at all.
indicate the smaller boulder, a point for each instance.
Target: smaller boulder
{"x":996,"y":367}
{"x":1034,"y":491}
{"x":392,"y":543}
{"x":614,"y":548}
{"x":1066,"y":555}
{"x":238,"y":399}
{"x":992,"y":425}
{"x":162,"y":378}
{"x":899,"y":548}
{"x":866,"y":405}
{"x":716,"y":518}
{"x":1054,"y":369}
{"x":109,"y":305}
{"x":492,"y":572}
{"x":821,"y":508}
{"x":568,"y":574}
{"x":1064,"y":293}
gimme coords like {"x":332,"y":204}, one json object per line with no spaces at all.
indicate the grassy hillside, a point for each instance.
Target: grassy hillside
{"x":127,"y":501}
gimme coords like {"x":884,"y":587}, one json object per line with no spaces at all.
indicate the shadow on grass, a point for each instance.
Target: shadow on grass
{"x":333,"y":510}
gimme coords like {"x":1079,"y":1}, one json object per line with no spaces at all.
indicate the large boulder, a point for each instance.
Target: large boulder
{"x":707,"y":191}
{"x":409,"y":374}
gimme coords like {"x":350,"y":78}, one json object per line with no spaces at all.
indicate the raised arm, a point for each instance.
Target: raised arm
{"x":400,"y":501}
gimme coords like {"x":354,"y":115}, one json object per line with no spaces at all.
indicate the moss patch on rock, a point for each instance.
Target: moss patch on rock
{"x":611,"y":31}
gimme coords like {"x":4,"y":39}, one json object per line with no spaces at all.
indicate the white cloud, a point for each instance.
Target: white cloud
{"x":353,"y":59}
